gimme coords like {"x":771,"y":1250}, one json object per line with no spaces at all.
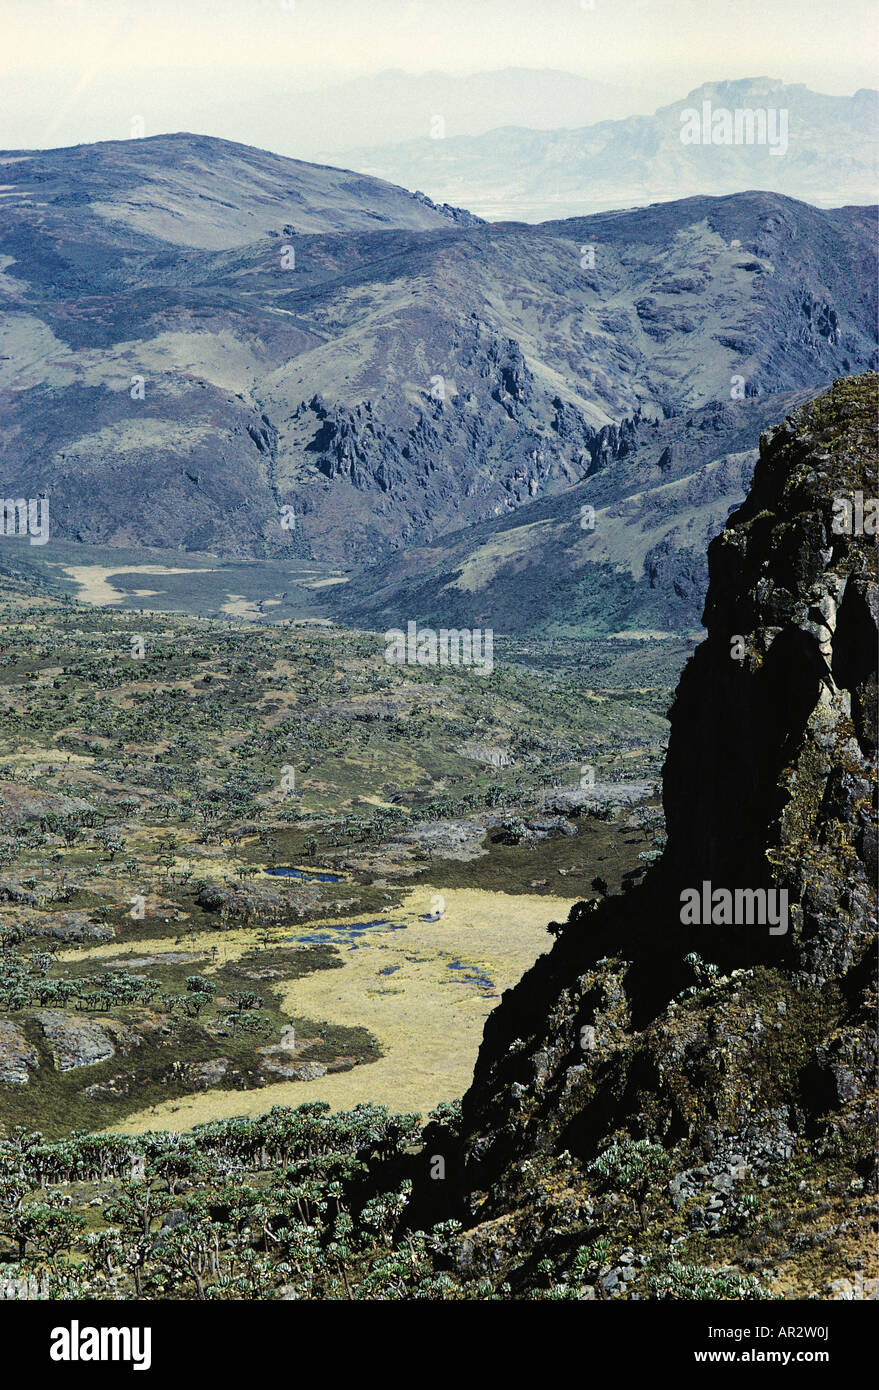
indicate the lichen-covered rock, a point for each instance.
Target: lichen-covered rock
{"x":285,"y":1066}
{"x":76,"y":1042}
{"x":17,"y":1057}
{"x":202,"y":1075}
{"x":70,"y":926}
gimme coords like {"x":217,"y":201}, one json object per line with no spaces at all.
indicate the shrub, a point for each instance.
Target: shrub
{"x":701,"y":1281}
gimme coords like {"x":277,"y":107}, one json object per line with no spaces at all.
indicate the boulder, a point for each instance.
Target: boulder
{"x":17,"y":1057}
{"x":75,"y":1042}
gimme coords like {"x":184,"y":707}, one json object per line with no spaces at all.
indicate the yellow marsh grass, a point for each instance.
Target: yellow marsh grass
{"x":428,"y":1020}
{"x":94,"y":580}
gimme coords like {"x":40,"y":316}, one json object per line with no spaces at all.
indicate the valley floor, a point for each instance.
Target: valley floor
{"x":159,"y":967}
{"x":423,"y":992}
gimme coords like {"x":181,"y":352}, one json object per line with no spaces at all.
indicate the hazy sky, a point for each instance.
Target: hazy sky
{"x":77,"y":69}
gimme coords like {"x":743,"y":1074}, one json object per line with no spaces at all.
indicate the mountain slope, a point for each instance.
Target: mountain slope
{"x":395,"y":385}
{"x":190,"y":190}
{"x":635,"y":561}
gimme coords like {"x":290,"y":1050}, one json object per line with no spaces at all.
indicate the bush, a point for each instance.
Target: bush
{"x":701,"y":1281}
{"x":633,"y":1165}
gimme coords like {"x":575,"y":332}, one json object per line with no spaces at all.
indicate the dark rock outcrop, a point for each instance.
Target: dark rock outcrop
{"x":75,"y":1042}
{"x":730,"y":1043}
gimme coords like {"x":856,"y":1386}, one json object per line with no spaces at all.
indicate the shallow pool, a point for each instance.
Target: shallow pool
{"x":345,"y":931}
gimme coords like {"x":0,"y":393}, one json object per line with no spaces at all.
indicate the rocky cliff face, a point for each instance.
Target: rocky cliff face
{"x":732,"y":1065}
{"x":772,"y":755}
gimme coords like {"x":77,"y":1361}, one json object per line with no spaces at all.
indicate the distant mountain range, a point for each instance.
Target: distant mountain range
{"x":394,"y":105}
{"x":207,"y":347}
{"x":827,"y":156}
{"x":314,"y":123}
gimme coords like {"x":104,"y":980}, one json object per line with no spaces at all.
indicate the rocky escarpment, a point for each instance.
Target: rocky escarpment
{"x":440,"y":452}
{"x":771,"y":764}
{"x":731,"y":1066}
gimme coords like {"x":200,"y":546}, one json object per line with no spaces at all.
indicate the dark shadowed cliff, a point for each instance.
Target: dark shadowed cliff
{"x":683,"y":1090}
